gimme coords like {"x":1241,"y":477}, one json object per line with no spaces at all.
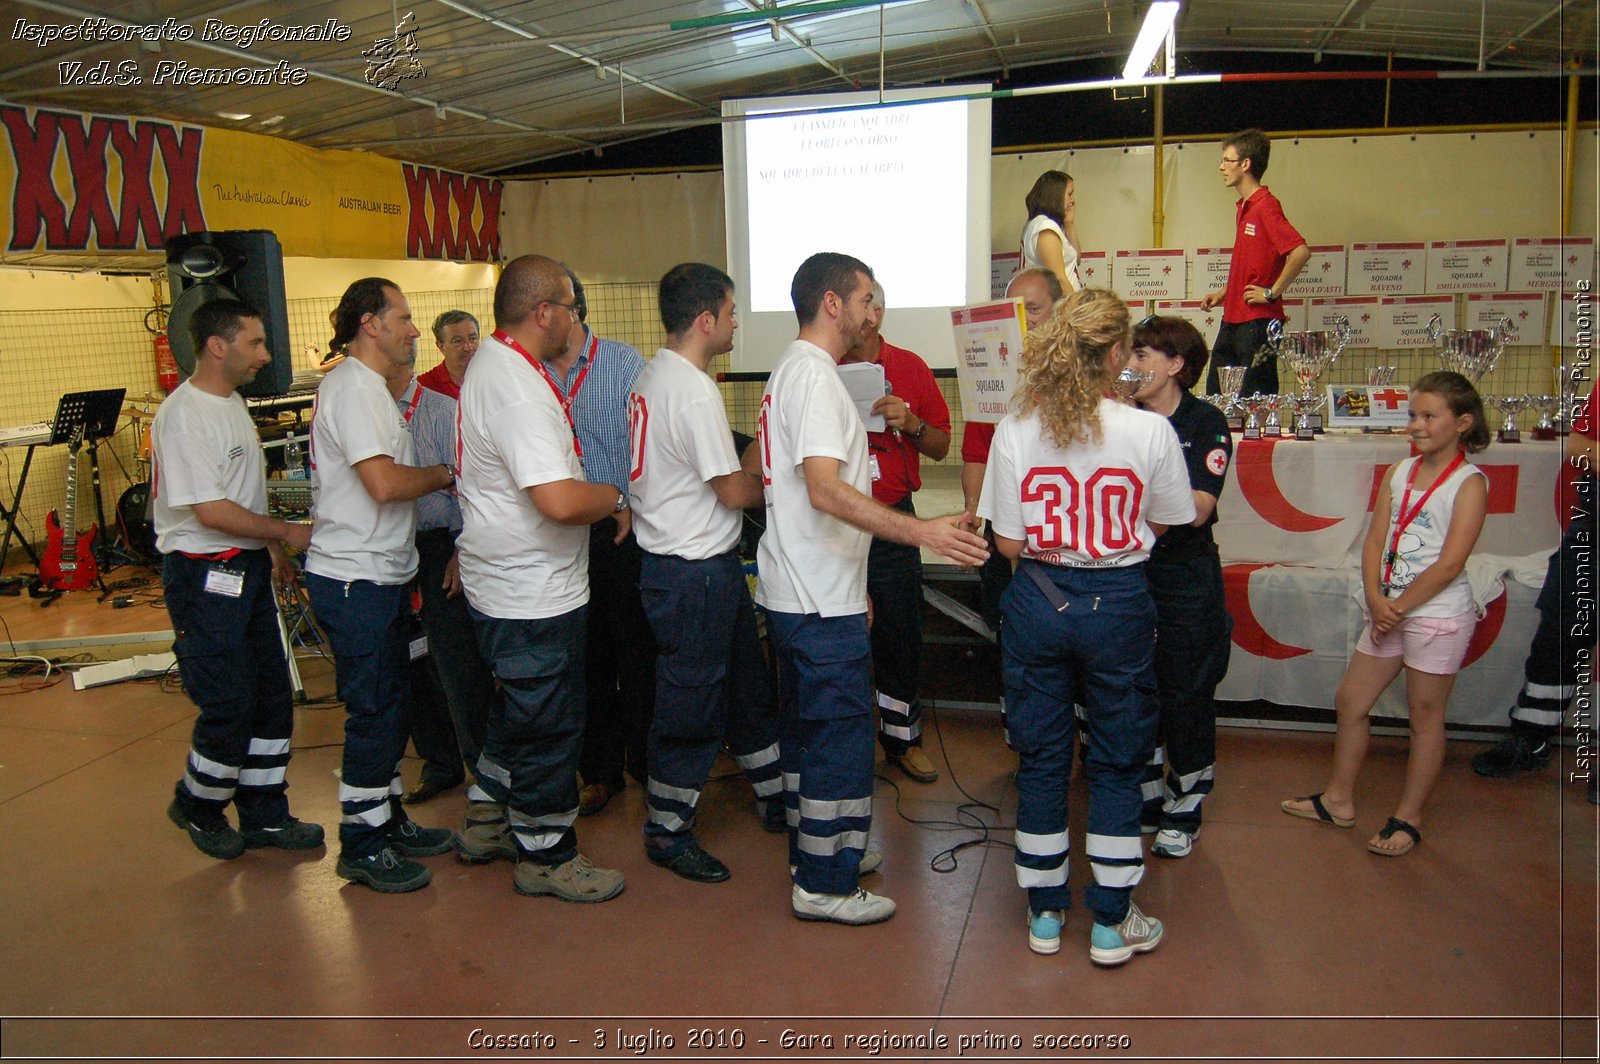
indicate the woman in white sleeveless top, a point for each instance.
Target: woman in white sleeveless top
{"x":1050,"y":239}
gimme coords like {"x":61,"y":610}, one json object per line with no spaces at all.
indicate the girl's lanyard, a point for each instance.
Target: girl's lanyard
{"x":1403,"y":519}
{"x":569,"y":398}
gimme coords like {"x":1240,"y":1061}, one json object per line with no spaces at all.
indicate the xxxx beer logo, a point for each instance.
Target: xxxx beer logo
{"x":57,"y":208}
{"x":441,"y":222}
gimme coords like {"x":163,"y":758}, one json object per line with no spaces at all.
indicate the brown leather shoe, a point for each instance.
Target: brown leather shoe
{"x":594,"y":797}
{"x":914,"y":763}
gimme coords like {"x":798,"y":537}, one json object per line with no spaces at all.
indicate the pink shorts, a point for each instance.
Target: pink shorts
{"x":1434,"y":645}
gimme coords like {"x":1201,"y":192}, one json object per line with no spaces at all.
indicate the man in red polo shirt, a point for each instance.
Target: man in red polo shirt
{"x":455,"y":333}
{"x":918,"y":424}
{"x":1268,"y":254}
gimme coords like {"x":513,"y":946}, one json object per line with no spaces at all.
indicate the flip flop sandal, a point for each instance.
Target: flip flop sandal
{"x":1318,"y":811}
{"x":1396,"y":826}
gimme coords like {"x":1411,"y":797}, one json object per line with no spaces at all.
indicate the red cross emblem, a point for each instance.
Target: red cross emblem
{"x":1391,"y":398}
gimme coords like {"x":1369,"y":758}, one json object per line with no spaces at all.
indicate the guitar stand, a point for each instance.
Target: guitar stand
{"x":89,"y":417}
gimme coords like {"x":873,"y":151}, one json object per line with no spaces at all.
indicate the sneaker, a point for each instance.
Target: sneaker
{"x":1137,"y":933}
{"x":385,"y":872}
{"x":485,"y":834}
{"x":411,"y":840}
{"x":871,"y":861}
{"x":1517,"y":752}
{"x":211,"y":833}
{"x":914,"y":763}
{"x":292,"y":834}
{"x":858,"y":907}
{"x":1170,"y":842}
{"x":691,"y":862}
{"x":1044,"y":931}
{"x":577,"y":880}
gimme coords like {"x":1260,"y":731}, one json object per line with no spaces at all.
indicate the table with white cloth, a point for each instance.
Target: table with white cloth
{"x":1290,"y":526}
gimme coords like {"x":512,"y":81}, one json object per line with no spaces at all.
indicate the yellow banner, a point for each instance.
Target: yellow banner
{"x":101,"y":185}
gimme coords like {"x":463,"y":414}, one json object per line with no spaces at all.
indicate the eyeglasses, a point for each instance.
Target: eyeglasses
{"x":1230,"y":162}
{"x":571,"y":308}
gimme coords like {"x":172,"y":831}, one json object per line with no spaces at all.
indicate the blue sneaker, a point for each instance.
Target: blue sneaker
{"x":1137,"y":933}
{"x":1044,"y":931}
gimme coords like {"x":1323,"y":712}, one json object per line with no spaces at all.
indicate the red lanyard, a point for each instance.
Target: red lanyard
{"x":569,"y":398}
{"x":1403,"y":519}
{"x":411,"y":408}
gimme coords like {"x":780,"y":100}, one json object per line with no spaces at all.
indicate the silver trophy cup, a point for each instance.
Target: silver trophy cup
{"x":1510,"y":406}
{"x":1471,"y":352}
{"x":1308,"y":354}
{"x":1130,"y":382}
{"x":1231,"y":379}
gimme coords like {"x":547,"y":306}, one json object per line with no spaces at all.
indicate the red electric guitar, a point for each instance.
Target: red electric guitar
{"x":68,"y":563}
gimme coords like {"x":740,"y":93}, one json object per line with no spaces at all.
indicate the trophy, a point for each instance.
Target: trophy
{"x":1231,"y":378}
{"x":1546,"y":405}
{"x":1471,"y":352}
{"x":1568,"y":378}
{"x":1130,"y":382}
{"x":1307,"y":354}
{"x":1379,"y":377}
{"x":1272,"y":428}
{"x":1255,"y":406}
{"x":1510,"y":406}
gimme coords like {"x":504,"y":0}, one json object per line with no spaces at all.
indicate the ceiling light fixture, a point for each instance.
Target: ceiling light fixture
{"x":1156,"y":32}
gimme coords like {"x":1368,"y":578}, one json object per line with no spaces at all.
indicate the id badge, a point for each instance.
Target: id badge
{"x":221,"y":580}
{"x":872,"y":464}
{"x":419,"y":647}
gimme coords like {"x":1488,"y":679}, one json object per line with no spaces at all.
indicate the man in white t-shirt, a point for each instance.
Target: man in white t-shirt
{"x":221,"y":557}
{"x":362,"y":557}
{"x":813,"y":584}
{"x":524,"y":550}
{"x":688,"y":493}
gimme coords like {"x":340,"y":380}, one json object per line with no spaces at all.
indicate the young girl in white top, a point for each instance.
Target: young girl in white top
{"x":1050,"y":239}
{"x":1419,"y":607}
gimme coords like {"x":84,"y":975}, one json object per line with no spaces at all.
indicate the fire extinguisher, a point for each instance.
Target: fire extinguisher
{"x":155,"y":321}
{"x":166,"y":365}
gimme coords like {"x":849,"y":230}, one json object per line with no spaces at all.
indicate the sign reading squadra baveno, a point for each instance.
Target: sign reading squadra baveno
{"x":101,"y":184}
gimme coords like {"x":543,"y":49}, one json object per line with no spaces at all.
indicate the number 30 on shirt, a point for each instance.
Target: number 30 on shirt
{"x":1097,"y":517}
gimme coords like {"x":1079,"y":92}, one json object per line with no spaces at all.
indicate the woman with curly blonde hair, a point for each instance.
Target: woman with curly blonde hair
{"x":1078,"y":488}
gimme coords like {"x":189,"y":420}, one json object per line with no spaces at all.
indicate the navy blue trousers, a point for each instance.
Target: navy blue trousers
{"x":231,"y":660}
{"x":711,"y":684}
{"x":825,"y":703}
{"x":894,"y":580}
{"x":1100,"y":645}
{"x":368,"y":626}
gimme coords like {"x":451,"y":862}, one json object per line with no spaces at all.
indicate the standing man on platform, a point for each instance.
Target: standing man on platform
{"x":1039,"y":290}
{"x":813,"y":584}
{"x":1268,"y":254}
{"x":593,"y":380}
{"x":524,"y":550}
{"x":689,"y":494}
{"x":221,"y":558}
{"x":455,"y":334}
{"x":362,"y":559}
{"x":918,"y":423}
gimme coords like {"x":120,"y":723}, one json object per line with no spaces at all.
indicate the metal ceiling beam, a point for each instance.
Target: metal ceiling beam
{"x":779,"y":29}
{"x":573,"y":53}
{"x":1530,"y":27}
{"x":988,"y":31}
{"x":1354,"y":9}
{"x":267,"y":60}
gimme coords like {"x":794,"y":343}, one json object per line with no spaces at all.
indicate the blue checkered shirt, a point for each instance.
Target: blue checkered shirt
{"x":601,"y":411}
{"x":433,"y":429}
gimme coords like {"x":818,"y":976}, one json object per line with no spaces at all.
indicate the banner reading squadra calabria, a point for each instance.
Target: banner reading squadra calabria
{"x":101,"y":184}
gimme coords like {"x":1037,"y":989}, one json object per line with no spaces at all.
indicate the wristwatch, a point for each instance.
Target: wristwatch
{"x":922,"y":424}
{"x":1271,"y":296}
{"x":622,"y":502}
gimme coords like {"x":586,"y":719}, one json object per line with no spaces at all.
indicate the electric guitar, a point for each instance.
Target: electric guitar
{"x":68,"y":563}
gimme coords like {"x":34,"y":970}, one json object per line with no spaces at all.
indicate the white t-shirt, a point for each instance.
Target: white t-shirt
{"x":809,"y":561}
{"x":1041,"y":223}
{"x":1422,"y":540}
{"x":515,"y":562}
{"x":204,"y":448}
{"x":1088,"y":505}
{"x":353,"y":536}
{"x":681,"y":441}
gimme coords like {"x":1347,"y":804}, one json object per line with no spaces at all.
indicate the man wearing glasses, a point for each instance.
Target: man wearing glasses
{"x":1268,"y":254}
{"x":526,"y":508}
